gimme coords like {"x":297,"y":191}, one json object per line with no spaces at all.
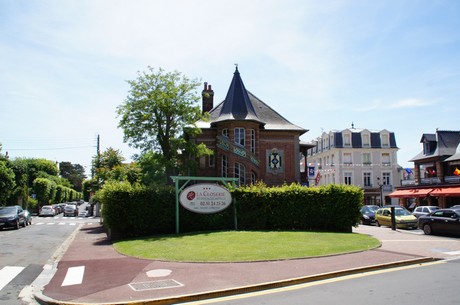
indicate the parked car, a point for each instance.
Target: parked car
{"x":12,"y":216}
{"x":404,"y":219}
{"x":424,"y":210}
{"x":368,"y":214}
{"x":455,"y":207}
{"x":443,"y":221}
{"x":47,"y":210}
{"x":71,"y":210}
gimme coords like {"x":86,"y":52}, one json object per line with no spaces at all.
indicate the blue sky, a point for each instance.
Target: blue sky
{"x":389,"y":64}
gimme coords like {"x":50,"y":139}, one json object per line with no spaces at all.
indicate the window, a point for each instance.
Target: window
{"x":253,"y":141}
{"x":224,"y":166}
{"x":386,"y":178}
{"x":225,"y":132}
{"x":385,"y":140}
{"x":347,"y":139}
{"x":240,"y":173}
{"x":253,"y":178}
{"x":332,"y":160}
{"x":348,"y":178}
{"x":239,"y":136}
{"x":367,"y":159}
{"x":386,"y":159}
{"x":366,"y":140}
{"x":347,"y":158}
{"x":212,"y":161}
{"x":367,"y":179}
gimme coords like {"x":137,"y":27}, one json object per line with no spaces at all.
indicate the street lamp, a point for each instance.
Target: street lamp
{"x":380,"y":184}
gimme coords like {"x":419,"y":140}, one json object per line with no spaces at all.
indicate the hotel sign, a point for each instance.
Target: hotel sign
{"x":205,"y":198}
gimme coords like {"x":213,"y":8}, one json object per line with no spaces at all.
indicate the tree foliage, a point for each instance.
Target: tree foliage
{"x":75,"y":173}
{"x":7,"y":182}
{"x":159,"y":107}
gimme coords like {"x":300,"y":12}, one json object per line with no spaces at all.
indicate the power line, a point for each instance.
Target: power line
{"x":53,"y":148}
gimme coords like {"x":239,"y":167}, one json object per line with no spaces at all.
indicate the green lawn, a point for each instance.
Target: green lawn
{"x":236,"y":246}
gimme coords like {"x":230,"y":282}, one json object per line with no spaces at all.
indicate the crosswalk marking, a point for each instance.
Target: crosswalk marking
{"x":59,"y":223}
{"x":8,"y":273}
{"x":74,"y":276}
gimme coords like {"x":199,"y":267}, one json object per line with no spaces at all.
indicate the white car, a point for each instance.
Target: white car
{"x":47,"y":210}
{"x":424,"y":210}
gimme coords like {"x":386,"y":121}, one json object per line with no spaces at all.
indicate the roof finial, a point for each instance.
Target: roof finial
{"x":352,"y":125}
{"x":236,"y":67}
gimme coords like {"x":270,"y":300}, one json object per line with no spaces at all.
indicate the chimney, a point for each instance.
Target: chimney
{"x":208,"y":98}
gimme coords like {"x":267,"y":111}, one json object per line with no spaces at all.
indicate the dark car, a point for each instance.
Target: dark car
{"x":12,"y":216}
{"x":368,"y":214}
{"x":443,"y":221}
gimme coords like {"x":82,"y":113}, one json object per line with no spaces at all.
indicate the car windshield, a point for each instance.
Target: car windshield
{"x":402,"y":212}
{"x":7,"y":210}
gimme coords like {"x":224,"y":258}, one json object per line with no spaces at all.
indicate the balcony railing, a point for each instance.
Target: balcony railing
{"x":432,"y":180}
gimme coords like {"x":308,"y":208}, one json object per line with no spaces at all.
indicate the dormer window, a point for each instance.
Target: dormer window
{"x":347,"y":139}
{"x":385,"y":140}
{"x":366,"y":140}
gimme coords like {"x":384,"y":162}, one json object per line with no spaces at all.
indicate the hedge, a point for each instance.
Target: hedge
{"x":132,"y":211}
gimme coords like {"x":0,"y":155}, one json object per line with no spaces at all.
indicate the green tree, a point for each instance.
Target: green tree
{"x":7,"y":182}
{"x":159,"y":107}
{"x":104,"y":163}
{"x":75,"y":173}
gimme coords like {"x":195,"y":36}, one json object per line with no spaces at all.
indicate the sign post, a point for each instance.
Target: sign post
{"x":203,"y":198}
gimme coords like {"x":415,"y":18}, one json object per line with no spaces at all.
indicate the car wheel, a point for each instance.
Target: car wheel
{"x":377,"y":223}
{"x":16,"y":226}
{"x":427,"y":229}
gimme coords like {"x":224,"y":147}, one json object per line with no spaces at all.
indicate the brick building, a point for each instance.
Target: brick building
{"x":250,"y":140}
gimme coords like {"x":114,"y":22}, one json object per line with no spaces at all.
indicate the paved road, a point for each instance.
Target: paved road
{"x":27,"y":252}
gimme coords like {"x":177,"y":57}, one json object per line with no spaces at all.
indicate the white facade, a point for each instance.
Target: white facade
{"x":358,"y":157}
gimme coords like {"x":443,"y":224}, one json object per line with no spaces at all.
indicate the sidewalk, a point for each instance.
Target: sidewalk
{"x":112,"y":278}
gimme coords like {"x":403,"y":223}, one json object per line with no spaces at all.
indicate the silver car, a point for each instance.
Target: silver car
{"x":71,"y":210}
{"x":47,"y":210}
{"x":424,"y":210}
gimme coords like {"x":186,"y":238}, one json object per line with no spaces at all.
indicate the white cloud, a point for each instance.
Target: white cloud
{"x":409,"y":103}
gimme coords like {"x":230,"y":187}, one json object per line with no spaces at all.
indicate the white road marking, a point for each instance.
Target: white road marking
{"x":74,"y":276}
{"x":453,"y":252}
{"x":8,"y":273}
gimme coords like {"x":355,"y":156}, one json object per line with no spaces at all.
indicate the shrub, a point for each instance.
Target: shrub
{"x":134,"y":210}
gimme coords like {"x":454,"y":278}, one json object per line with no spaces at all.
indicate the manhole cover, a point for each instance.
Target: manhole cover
{"x":155,"y":285}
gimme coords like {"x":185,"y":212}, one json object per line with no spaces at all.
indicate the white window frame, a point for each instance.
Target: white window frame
{"x":253,"y":141}
{"x":224,"y":166}
{"x":348,"y":178}
{"x":240,"y":136}
{"x":367,"y":179}
{"x":240,"y":173}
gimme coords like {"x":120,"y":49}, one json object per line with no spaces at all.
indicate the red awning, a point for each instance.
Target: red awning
{"x":412,"y":193}
{"x":446,"y":191}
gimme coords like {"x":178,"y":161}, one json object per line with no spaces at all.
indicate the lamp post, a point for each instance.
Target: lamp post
{"x":380,"y":184}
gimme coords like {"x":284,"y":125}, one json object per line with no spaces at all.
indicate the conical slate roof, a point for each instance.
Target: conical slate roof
{"x":241,"y":105}
{"x":237,"y":105}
